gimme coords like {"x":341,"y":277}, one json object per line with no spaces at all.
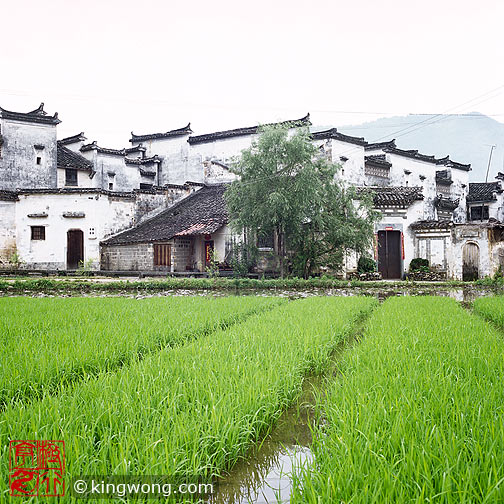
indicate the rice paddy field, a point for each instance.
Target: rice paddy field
{"x":188,"y":411}
{"x":184,"y":387}
{"x":418,"y":414}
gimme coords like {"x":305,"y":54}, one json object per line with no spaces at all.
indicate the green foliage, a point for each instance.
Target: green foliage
{"x":366,"y":264}
{"x":15,"y":260}
{"x":419,"y":264}
{"x":213,"y":268}
{"x":46,"y":343}
{"x":416,"y":414}
{"x":287,"y":188}
{"x":85,"y":267}
{"x":190,"y":411}
{"x":243,"y":258}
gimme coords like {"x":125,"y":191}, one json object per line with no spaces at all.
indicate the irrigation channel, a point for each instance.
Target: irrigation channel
{"x":263,"y":476}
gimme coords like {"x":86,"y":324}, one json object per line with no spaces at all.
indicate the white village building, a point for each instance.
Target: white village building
{"x":158,"y":205}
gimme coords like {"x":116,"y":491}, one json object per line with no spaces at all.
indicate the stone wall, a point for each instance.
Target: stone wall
{"x":182,"y":254}
{"x":136,"y":257}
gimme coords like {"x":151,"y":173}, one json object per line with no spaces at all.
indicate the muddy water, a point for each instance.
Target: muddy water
{"x":263,"y":476}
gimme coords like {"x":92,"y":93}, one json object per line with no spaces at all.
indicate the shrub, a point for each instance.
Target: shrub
{"x":366,"y":265}
{"x":419,"y":264}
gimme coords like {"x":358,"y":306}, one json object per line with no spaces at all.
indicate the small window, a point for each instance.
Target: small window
{"x":111,"y":186}
{"x":145,"y":186}
{"x":479,"y":213}
{"x":70,"y":177}
{"x":39,"y":160}
{"x":162,"y":255}
{"x":91,"y":231}
{"x":37,"y":232}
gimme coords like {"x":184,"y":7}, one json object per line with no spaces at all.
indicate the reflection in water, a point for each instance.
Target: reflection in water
{"x":263,"y":481}
{"x":263,"y":476}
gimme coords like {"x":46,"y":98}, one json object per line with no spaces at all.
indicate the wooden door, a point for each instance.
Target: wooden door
{"x":470,"y":262}
{"x":389,"y":254}
{"x":75,"y":248}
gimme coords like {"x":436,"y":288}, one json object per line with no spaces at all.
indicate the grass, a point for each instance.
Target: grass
{"x":491,"y":308}
{"x":190,"y":412}
{"x":50,"y":342}
{"x":418,"y":413}
{"x":55,"y":286}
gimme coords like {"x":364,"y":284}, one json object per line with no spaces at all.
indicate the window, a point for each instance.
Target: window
{"x":39,"y":160}
{"x":111,"y":186}
{"x":145,"y":186}
{"x":37,"y":232}
{"x":91,"y":231}
{"x":162,"y":255}
{"x":70,"y":177}
{"x":479,"y":212}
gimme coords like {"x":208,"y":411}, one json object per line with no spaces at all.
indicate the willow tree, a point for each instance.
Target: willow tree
{"x":287,"y":188}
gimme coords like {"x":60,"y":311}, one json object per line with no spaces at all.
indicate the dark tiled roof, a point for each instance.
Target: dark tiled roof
{"x":35,"y":116}
{"x":137,"y":148}
{"x":377,"y":160}
{"x":443,"y":177}
{"x":333,"y":133}
{"x":391,"y":148}
{"x":432,"y":224}
{"x":400,"y":196}
{"x":73,"y":139}
{"x":483,"y":191}
{"x":142,"y":161}
{"x":70,"y":159}
{"x":186,"y":130}
{"x":222,"y":135}
{"x":8,"y":195}
{"x":202,"y":212}
{"x":146,"y":173}
{"x":381,"y":145}
{"x":102,"y":150}
{"x":444,"y":203}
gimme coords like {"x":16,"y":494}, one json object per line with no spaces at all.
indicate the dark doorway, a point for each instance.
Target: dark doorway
{"x":75,"y":248}
{"x":209,"y":248}
{"x":470,"y":262}
{"x":389,"y":254}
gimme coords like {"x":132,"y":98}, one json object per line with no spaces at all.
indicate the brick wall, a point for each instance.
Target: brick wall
{"x":139,"y":257}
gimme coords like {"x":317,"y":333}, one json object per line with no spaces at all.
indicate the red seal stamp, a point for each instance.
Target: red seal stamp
{"x":37,"y":468}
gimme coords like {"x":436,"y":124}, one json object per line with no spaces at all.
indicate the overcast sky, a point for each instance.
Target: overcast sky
{"x":112,"y":66}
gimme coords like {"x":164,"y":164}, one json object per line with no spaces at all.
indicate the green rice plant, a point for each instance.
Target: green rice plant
{"x":491,"y":308}
{"x":48,"y":343}
{"x":417,"y":414}
{"x":190,"y":412}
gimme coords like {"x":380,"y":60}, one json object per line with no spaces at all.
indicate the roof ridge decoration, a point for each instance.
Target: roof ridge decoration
{"x":380,"y":145}
{"x":102,"y":150}
{"x":186,"y":130}
{"x":143,"y":161}
{"x":250,"y":130}
{"x":39,"y":115}
{"x":79,"y":137}
{"x":336,"y":135}
{"x":390,"y":148}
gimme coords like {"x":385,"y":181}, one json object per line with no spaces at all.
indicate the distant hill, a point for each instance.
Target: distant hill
{"x":465,"y":138}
